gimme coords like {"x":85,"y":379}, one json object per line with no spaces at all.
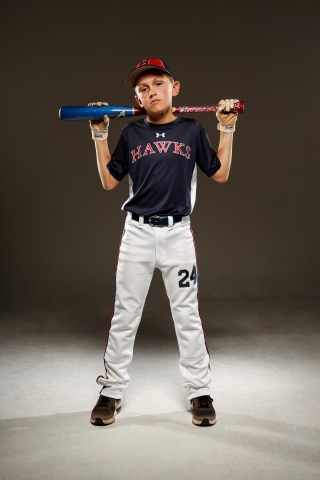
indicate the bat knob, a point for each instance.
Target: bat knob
{"x":239,"y":107}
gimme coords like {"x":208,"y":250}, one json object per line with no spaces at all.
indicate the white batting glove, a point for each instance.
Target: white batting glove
{"x":99,"y":129}
{"x":227,"y":121}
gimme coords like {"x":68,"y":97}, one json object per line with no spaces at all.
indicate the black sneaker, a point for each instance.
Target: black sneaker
{"x":204,"y":414}
{"x":105,"y":411}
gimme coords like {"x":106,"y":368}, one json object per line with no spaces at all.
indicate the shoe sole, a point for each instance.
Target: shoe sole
{"x":205,"y":422}
{"x":102,"y":423}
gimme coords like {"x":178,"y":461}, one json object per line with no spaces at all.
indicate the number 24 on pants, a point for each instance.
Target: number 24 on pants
{"x":184,"y":283}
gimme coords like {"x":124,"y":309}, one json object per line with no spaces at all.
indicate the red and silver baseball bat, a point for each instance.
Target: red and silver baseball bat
{"x":117,"y":111}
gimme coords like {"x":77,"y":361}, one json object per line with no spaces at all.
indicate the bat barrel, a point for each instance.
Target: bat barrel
{"x":95,"y":113}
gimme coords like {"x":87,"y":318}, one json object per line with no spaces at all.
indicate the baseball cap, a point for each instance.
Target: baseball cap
{"x":147,"y":64}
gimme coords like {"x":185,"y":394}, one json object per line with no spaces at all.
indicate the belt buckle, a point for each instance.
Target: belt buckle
{"x":151,"y":224}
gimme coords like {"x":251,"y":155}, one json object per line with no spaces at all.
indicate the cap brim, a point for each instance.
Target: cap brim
{"x":132,"y":77}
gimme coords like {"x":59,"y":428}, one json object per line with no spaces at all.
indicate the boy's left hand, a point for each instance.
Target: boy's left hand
{"x":227,"y":121}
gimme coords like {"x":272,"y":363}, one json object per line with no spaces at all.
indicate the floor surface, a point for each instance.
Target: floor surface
{"x":265,"y":361}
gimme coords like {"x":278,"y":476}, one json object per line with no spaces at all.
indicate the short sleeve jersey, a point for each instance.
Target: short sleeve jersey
{"x":161,"y":161}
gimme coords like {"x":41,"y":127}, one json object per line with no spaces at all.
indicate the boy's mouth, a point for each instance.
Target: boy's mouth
{"x":154,"y":101}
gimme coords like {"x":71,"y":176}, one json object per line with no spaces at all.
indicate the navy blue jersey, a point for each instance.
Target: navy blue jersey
{"x":161,"y":162}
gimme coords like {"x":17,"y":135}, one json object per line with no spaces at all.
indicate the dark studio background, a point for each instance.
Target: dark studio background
{"x":257,"y":235}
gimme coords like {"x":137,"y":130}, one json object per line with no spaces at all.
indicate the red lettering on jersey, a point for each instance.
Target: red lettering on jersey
{"x":162,"y":146}
{"x":177,"y":148}
{"x":188,"y":150}
{"x":148,"y":149}
{"x":134,"y":154}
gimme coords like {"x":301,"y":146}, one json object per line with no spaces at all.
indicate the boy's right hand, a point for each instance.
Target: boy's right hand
{"x":99,"y":127}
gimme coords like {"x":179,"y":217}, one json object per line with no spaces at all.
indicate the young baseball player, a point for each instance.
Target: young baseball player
{"x":160,"y":155}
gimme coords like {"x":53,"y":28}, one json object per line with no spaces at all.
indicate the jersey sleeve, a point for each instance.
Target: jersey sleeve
{"x":206,"y":157}
{"x":118,"y":165}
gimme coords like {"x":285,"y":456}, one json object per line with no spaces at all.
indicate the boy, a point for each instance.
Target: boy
{"x":160,"y":154}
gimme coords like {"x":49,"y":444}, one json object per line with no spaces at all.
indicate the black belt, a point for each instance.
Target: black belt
{"x":157,"y":220}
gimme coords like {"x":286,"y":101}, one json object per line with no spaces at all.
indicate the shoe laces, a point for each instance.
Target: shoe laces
{"x":205,"y":401}
{"x":103,"y":402}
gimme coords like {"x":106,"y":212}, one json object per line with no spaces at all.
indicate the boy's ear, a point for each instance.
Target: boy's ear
{"x":175,"y":88}
{"x":138,"y":100}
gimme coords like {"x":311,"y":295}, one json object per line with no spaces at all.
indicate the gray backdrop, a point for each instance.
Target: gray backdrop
{"x":257,"y":235}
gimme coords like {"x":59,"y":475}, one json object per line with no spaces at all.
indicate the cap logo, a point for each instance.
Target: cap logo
{"x":154,"y":62}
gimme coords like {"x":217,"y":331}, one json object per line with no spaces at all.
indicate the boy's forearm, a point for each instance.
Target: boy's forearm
{"x":225,"y":156}
{"x":103,"y":158}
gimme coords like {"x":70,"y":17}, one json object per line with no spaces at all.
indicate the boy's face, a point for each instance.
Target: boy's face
{"x":154,"y":91}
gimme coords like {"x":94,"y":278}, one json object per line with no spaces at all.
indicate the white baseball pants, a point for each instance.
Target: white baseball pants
{"x":171,"y":249}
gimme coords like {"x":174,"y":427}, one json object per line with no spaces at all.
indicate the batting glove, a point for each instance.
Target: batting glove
{"x":99,"y":129}
{"x":227,"y":121}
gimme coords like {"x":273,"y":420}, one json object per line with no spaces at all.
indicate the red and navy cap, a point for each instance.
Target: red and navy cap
{"x":147,"y":64}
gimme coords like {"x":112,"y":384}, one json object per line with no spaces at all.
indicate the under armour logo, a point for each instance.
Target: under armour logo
{"x":160,"y":135}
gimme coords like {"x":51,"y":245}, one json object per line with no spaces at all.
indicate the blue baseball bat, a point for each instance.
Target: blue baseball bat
{"x":93,"y":112}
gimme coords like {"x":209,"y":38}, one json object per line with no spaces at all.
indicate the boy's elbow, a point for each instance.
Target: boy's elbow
{"x":220,"y":178}
{"x":109,"y":183}
{"x":224,"y":179}
{"x":107,"y":186}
